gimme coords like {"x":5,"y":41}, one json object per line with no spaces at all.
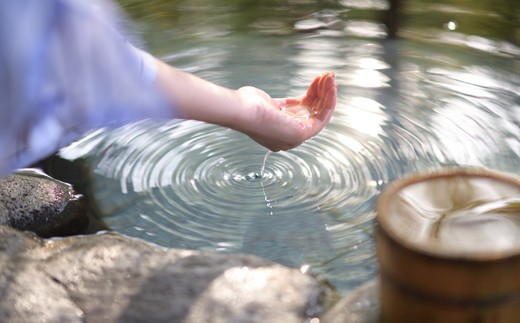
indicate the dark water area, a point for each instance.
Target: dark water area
{"x":421,"y":85}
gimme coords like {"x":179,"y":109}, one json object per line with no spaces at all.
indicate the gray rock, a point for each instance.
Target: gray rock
{"x":33,"y":201}
{"x":361,"y":306}
{"x":112,"y":278}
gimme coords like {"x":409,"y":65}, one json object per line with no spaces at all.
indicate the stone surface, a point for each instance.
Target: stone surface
{"x":361,"y":306}
{"x":32,"y":201}
{"x":112,"y":278}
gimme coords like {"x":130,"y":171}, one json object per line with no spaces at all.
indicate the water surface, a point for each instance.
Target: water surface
{"x":445,"y":92}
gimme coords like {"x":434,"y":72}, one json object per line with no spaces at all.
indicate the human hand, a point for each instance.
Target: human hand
{"x":282,"y":124}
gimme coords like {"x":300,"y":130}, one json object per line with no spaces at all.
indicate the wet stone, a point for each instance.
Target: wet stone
{"x":108,"y":277}
{"x":360,"y":306}
{"x":33,"y":201}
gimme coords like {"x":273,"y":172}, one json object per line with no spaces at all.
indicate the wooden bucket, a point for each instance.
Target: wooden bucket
{"x":448,"y":245}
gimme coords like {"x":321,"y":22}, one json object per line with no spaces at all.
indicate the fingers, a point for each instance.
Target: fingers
{"x":319,"y":94}
{"x":330,"y":98}
{"x":327,"y":80}
{"x":313,"y":90}
{"x":327,"y":88}
{"x":328,"y":101}
{"x":325,"y":100}
{"x":321,"y":98}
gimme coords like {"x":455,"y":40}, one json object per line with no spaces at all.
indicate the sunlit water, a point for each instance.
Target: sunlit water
{"x":441,"y":95}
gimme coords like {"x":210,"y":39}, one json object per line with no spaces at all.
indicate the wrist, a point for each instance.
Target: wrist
{"x":245,"y":111}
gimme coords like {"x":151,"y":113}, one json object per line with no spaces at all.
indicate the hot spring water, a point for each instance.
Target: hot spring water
{"x":440,"y":95}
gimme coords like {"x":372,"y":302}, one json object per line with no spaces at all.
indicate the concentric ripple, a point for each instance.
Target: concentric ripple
{"x":192,"y":185}
{"x":402,"y":106}
{"x":198,"y":186}
{"x":192,"y":170}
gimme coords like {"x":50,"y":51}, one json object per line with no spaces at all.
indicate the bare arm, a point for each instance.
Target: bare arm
{"x":197,"y":99}
{"x":277,"y":124}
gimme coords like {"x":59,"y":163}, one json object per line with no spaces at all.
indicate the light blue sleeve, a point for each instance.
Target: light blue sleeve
{"x":65,"y":68}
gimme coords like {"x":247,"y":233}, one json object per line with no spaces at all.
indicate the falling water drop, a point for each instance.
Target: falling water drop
{"x":262,"y":174}
{"x":263,"y":164}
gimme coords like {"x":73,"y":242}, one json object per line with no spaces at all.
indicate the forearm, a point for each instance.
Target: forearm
{"x":277,"y":124}
{"x":197,"y":99}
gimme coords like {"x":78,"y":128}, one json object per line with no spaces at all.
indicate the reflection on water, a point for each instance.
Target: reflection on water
{"x":445,"y":93}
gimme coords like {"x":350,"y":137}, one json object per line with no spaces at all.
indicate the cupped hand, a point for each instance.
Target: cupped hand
{"x":282,"y":124}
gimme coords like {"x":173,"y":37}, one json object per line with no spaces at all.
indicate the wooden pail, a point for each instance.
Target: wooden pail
{"x":448,"y":245}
